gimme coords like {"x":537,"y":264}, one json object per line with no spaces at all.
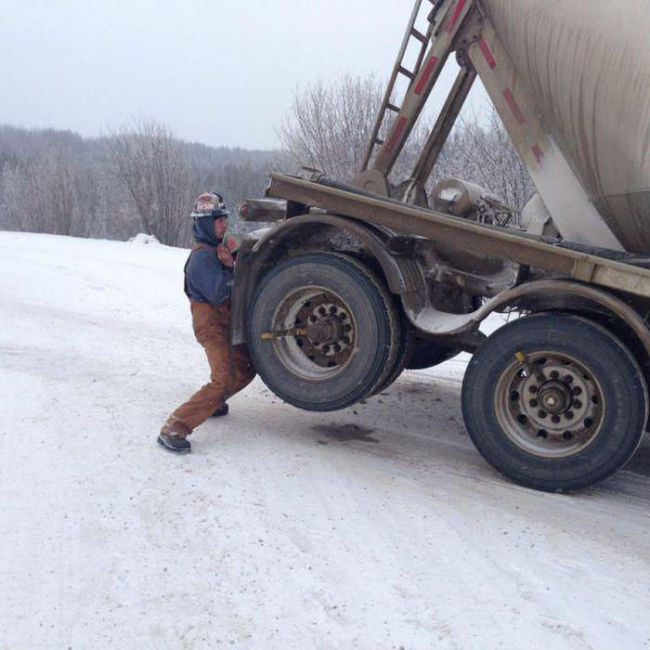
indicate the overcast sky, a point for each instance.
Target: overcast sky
{"x":221,"y":72}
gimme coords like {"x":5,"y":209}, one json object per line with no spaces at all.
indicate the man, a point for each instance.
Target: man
{"x":208,"y":281}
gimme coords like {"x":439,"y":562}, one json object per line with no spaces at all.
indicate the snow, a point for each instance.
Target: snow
{"x":375,"y":527}
{"x":144,"y":240}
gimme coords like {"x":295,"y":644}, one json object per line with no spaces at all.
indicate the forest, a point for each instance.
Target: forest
{"x":140,"y":178}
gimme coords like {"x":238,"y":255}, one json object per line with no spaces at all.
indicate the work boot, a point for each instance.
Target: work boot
{"x":173,"y":436}
{"x":221,"y":411}
{"x":174,"y":443}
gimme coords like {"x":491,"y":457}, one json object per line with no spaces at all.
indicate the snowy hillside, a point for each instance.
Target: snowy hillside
{"x":376,"y":527}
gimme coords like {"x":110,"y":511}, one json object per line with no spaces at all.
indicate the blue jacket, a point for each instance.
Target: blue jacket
{"x":206,"y":278}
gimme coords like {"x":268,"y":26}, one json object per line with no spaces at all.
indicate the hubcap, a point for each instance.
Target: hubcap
{"x":555,"y":397}
{"x":550,"y":405}
{"x":330,"y":332}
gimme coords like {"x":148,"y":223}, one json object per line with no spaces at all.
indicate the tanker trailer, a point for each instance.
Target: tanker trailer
{"x":359,"y":281}
{"x":585,"y":65}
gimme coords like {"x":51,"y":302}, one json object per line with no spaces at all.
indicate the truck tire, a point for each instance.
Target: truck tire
{"x":555,"y":402}
{"x":350,"y":334}
{"x":405,"y":350}
{"x":427,"y":354}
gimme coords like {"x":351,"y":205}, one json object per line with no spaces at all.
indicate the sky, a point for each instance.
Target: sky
{"x":220,"y":72}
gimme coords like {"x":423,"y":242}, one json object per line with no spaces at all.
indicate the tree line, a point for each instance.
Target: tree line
{"x":143,"y":179}
{"x":139,"y":179}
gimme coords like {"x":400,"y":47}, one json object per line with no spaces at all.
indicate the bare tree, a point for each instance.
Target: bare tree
{"x":329,"y":125}
{"x":49,"y":194}
{"x":151,"y":164}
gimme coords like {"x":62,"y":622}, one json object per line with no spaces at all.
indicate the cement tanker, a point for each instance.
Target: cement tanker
{"x":586,"y":64}
{"x":356,"y":283}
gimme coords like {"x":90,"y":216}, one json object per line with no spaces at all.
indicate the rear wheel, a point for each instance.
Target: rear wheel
{"x":323,"y":331}
{"x":555,"y":402}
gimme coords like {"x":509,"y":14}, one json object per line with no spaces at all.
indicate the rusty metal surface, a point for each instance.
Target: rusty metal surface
{"x":262,"y":210}
{"x":396,"y":269}
{"x":586,"y":64}
{"x":493,"y":242}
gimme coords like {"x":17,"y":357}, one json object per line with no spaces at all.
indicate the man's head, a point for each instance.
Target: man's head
{"x":220,"y":227}
{"x":209,"y":216}
{"x":209,"y":204}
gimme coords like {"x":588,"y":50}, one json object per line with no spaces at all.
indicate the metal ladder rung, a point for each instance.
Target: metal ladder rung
{"x":392,"y":107}
{"x":379,"y":141}
{"x":405,"y":72}
{"x":419,"y":35}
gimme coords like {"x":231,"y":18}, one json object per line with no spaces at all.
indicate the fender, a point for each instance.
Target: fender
{"x":402,"y":274}
{"x":374,"y":238}
{"x":543,"y":295}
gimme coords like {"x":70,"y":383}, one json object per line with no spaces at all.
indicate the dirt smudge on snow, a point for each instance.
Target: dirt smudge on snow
{"x":344,"y":433}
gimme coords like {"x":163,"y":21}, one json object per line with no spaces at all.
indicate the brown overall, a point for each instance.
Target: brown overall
{"x":230,"y":367}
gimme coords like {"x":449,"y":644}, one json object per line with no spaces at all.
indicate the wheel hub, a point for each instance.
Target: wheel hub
{"x":550,"y":405}
{"x":325,"y":331}
{"x":329,"y":328}
{"x":555,"y":397}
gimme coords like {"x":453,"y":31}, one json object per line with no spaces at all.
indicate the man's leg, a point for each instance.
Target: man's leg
{"x":230,"y":371}
{"x":210,"y":397}
{"x":242,"y":373}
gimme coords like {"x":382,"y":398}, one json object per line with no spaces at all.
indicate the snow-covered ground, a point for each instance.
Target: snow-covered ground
{"x":376,"y":527}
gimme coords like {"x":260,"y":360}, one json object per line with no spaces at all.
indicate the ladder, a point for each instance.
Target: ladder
{"x":400,"y":69}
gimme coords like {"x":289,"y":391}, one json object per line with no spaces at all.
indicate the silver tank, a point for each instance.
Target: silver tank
{"x":587,"y":66}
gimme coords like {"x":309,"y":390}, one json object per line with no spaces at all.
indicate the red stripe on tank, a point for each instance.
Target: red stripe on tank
{"x":453,"y":19}
{"x":514,"y":107}
{"x":487,"y":53}
{"x":426,"y":74}
{"x":397,"y":133}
